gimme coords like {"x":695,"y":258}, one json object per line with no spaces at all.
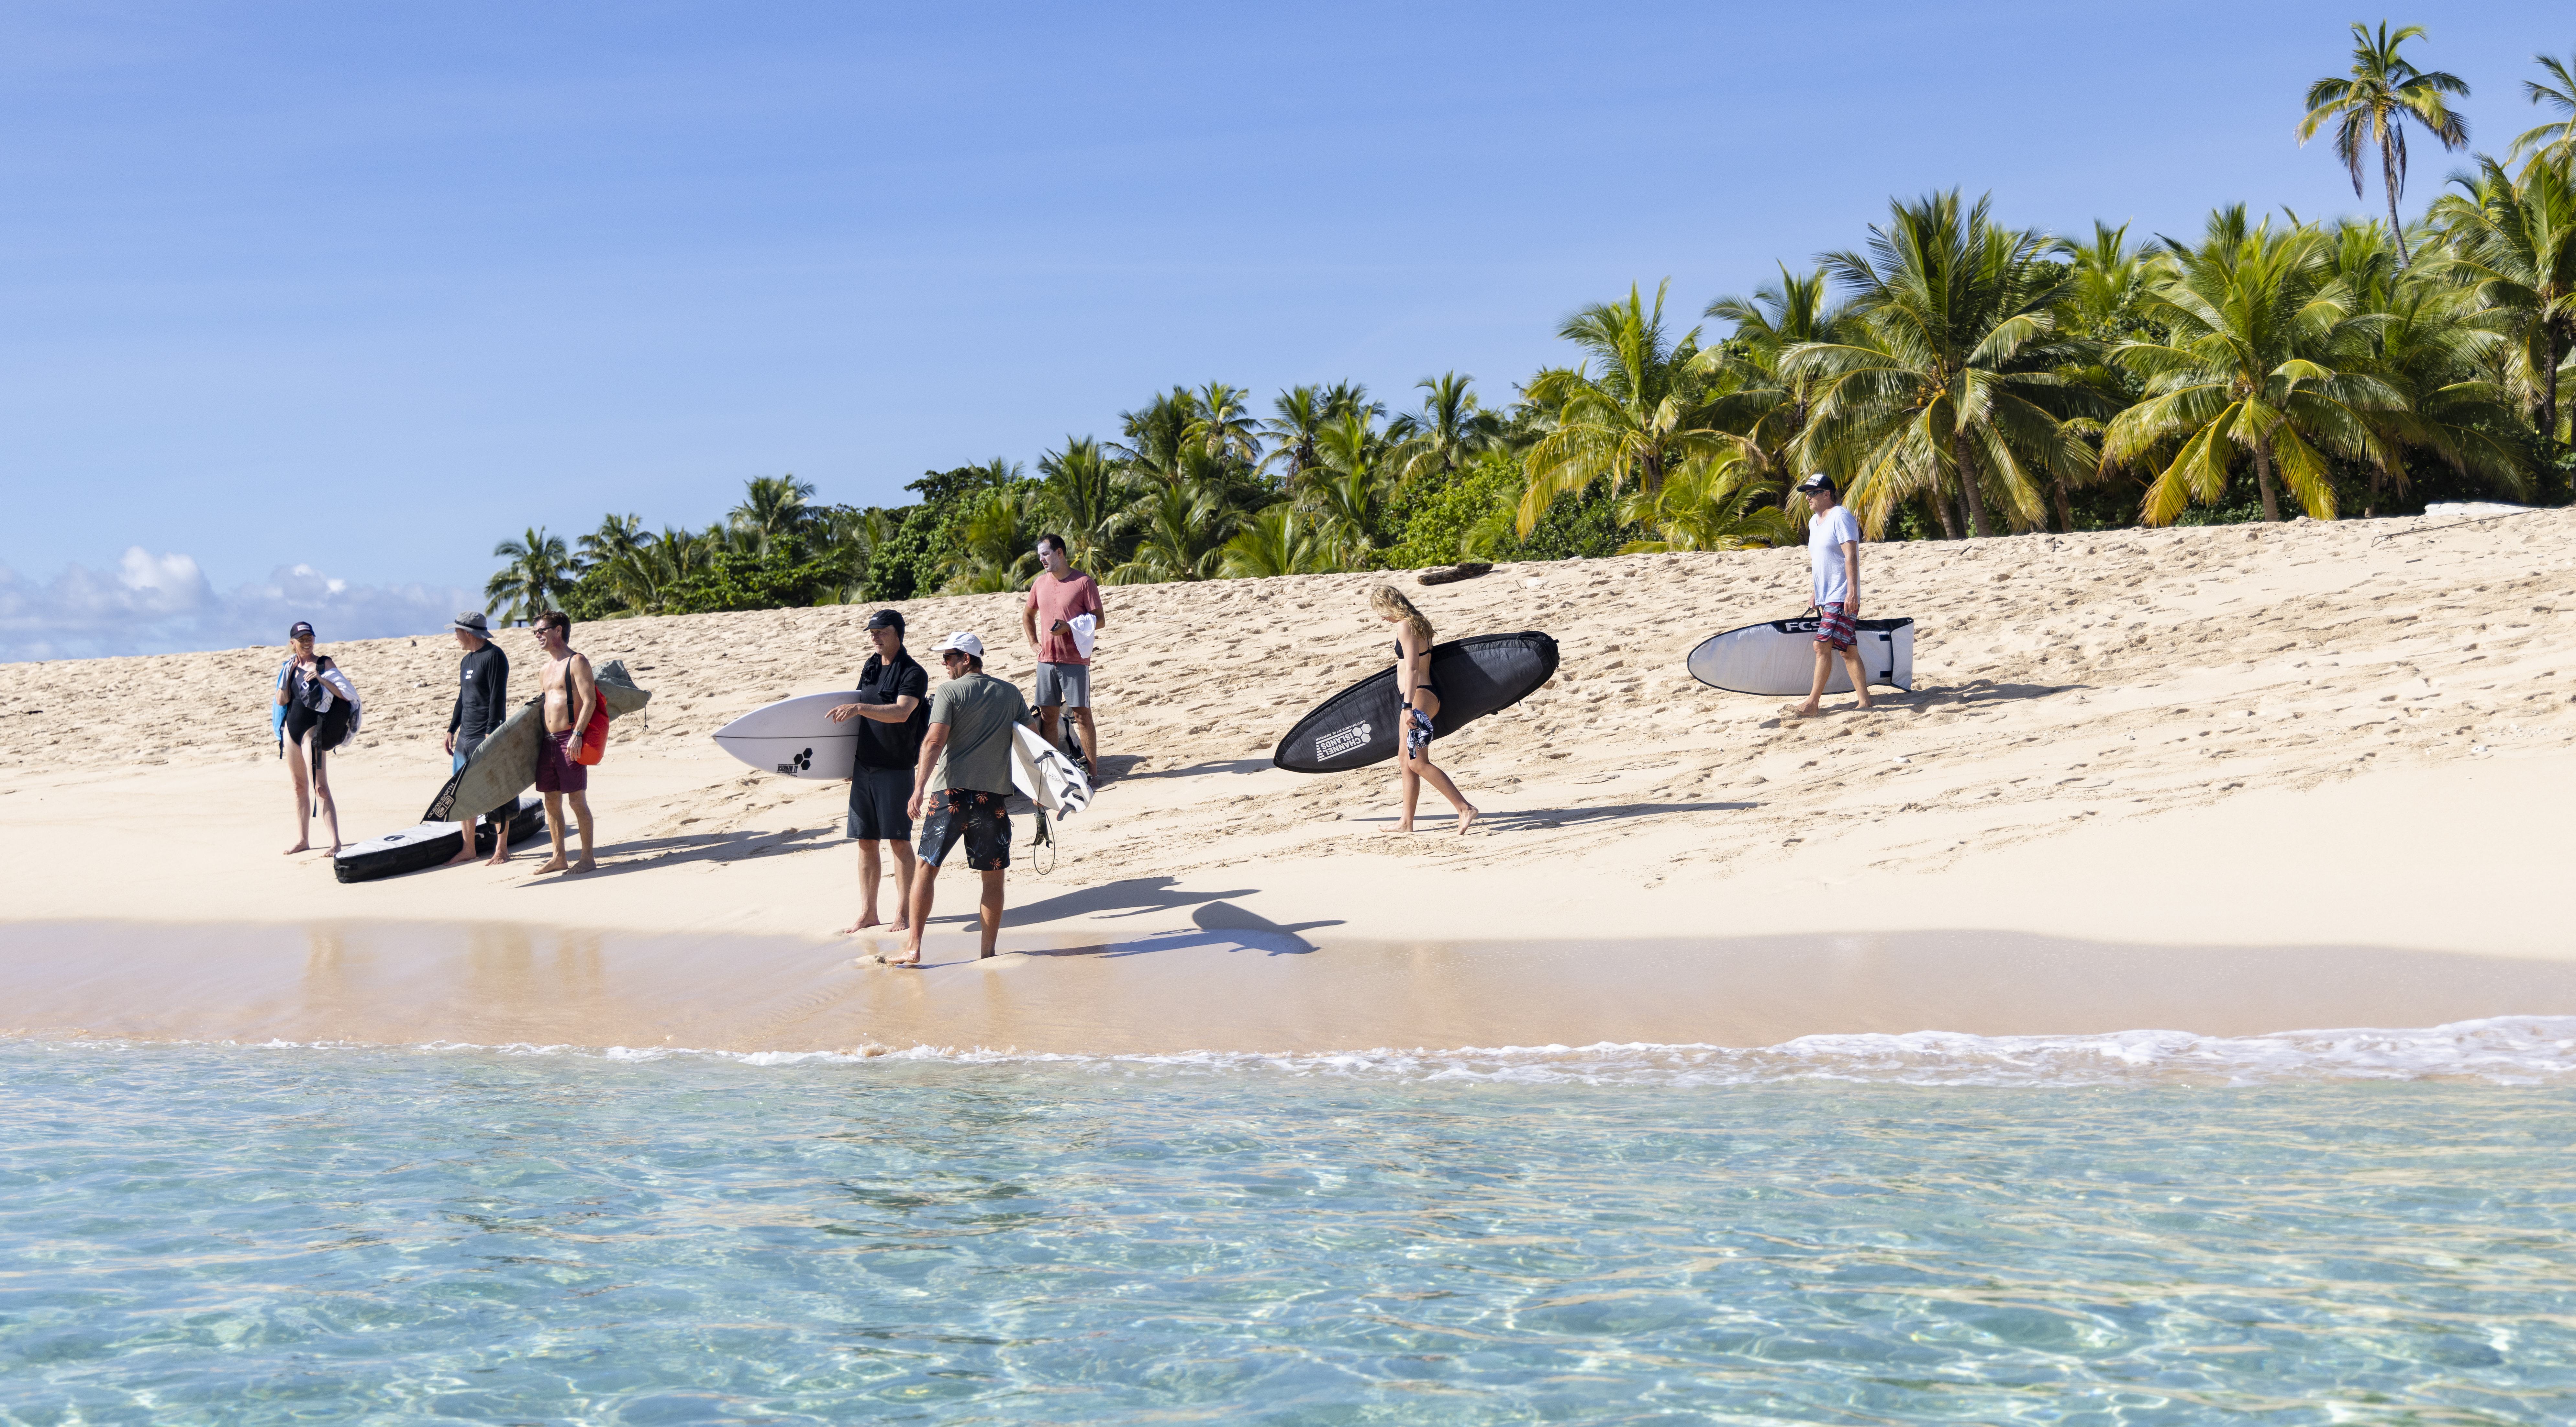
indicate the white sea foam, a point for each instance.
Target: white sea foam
{"x":2513,"y":1050}
{"x":2505,"y":1050}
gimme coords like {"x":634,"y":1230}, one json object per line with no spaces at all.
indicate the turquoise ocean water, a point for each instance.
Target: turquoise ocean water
{"x":2332,"y":1228}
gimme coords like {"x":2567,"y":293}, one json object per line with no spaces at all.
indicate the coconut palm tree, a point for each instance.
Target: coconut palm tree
{"x":644,"y":574}
{"x":1221,"y":425}
{"x":2436,"y":346}
{"x":1720,"y":505}
{"x":1087,"y":500}
{"x":1345,"y":490}
{"x":1156,"y":436}
{"x":1749,"y":393}
{"x":1952,"y":382}
{"x":846,"y":538}
{"x":2249,"y":370}
{"x":1183,"y":536}
{"x":616,"y":536}
{"x":1303,"y":410}
{"x":1644,"y":416}
{"x":1281,"y":540}
{"x":1452,"y":428}
{"x":540,"y":568}
{"x":772,"y":506}
{"x":999,"y":538}
{"x":2556,"y":140}
{"x":2369,"y":107}
{"x":2514,"y":239}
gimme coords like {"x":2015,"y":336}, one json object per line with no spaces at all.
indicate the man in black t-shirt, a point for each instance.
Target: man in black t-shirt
{"x":894,"y":704}
{"x":482,"y":701}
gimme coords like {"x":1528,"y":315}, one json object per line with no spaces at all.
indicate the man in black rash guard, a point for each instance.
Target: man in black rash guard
{"x":482,"y":701}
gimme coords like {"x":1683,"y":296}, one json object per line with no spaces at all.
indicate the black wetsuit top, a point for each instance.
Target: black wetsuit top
{"x":482,"y":693}
{"x":893,"y":745}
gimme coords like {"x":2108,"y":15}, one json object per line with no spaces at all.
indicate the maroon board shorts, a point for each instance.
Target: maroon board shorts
{"x":1834,"y":626}
{"x":556,"y":770}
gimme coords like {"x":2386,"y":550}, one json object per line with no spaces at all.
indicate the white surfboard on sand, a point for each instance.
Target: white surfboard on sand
{"x":796,"y":738}
{"x":1777,"y":659}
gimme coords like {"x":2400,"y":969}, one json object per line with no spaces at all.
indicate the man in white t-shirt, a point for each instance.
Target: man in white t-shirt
{"x":1833,"y":552}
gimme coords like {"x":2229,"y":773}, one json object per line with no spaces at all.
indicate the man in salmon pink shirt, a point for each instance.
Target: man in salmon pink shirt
{"x":1059,"y":596}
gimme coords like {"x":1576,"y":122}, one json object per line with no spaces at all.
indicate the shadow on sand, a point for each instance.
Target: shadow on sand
{"x":1219,"y":922}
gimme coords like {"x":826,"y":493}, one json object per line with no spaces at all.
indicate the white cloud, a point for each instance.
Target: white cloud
{"x":160,"y":604}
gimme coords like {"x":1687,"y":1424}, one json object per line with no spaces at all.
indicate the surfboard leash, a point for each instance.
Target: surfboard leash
{"x":1044,"y":837}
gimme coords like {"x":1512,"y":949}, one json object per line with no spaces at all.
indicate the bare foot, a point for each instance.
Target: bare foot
{"x":1405,"y":826}
{"x":1799,"y":711}
{"x":1467,"y":819}
{"x":497,"y":858}
{"x":554,"y":865}
{"x":869,"y":922}
{"x":912,"y":958}
{"x":585,"y":864}
{"x":299,"y":847}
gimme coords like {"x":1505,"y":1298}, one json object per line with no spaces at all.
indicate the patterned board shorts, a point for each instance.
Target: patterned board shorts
{"x":974,"y":816}
{"x":1834,"y":626}
{"x":1417,"y":732}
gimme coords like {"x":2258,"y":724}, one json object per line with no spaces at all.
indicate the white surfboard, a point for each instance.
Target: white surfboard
{"x":1778,"y":659}
{"x":795,"y":738}
{"x":1045,"y":776}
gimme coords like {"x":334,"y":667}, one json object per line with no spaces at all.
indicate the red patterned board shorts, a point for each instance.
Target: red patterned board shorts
{"x":557,"y":772}
{"x":1834,"y":626}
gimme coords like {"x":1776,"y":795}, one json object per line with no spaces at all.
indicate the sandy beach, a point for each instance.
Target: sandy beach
{"x":2323,"y":767}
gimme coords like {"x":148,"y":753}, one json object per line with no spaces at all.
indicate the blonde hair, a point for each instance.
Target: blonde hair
{"x":1390,"y":603}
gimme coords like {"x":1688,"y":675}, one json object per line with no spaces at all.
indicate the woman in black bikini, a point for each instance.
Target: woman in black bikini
{"x":321,"y":710}
{"x":1419,"y":698}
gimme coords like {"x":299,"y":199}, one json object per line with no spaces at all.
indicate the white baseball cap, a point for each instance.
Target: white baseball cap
{"x":963,"y":643}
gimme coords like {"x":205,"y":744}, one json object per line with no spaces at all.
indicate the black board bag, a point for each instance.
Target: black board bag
{"x":1477,"y":676}
{"x":430,"y":844}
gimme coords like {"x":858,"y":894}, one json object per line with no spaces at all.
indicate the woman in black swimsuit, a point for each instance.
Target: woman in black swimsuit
{"x":1418,"y":697}
{"x":320,"y":703}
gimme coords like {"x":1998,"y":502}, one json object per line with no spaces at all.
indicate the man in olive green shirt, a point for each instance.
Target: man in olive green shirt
{"x":965,"y":777}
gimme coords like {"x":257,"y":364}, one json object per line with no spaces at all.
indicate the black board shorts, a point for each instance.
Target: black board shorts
{"x":977,"y":818}
{"x":334,"y":725}
{"x":880,"y":804}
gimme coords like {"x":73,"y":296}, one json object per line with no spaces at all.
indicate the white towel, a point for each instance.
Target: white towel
{"x":1086,"y":631}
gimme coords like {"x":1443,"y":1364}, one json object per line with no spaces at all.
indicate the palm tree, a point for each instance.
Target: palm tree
{"x":1183,"y":537}
{"x":1953,"y":382}
{"x":846,"y":538}
{"x":2371,"y":105}
{"x":1721,"y":505}
{"x":1087,"y":500}
{"x":2556,"y":140}
{"x":1278,"y":541}
{"x":1644,"y":416}
{"x":1345,"y":490}
{"x":616,"y":536}
{"x":1157,"y":435}
{"x":540,"y":568}
{"x":2435,"y":346}
{"x":772,"y":506}
{"x":1303,"y":410}
{"x":999,"y":536}
{"x":1750,"y":395}
{"x":1221,"y":425}
{"x":1452,"y":427}
{"x":2246,"y":370}
{"x":2515,"y":240}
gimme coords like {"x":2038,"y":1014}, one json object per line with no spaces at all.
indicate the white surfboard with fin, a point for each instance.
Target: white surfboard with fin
{"x":1045,"y":776}
{"x":1778,"y":659}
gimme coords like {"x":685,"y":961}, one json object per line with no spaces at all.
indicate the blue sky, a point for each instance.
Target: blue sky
{"x":303,"y":295}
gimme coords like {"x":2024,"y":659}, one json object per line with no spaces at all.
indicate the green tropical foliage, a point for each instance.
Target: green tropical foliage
{"x":1957,"y":374}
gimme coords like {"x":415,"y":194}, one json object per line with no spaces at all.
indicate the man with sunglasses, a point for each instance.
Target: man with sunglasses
{"x":964,"y":776}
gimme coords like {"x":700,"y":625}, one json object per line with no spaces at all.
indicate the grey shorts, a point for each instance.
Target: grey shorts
{"x":879,"y":798}
{"x":1068,"y":685}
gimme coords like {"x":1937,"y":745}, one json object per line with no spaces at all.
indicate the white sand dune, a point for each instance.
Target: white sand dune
{"x":2350,"y":734}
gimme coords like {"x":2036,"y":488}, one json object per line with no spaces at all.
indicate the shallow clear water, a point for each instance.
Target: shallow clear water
{"x":327,"y":1235}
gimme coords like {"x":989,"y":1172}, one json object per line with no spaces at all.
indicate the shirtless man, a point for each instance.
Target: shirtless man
{"x":572,"y":700}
